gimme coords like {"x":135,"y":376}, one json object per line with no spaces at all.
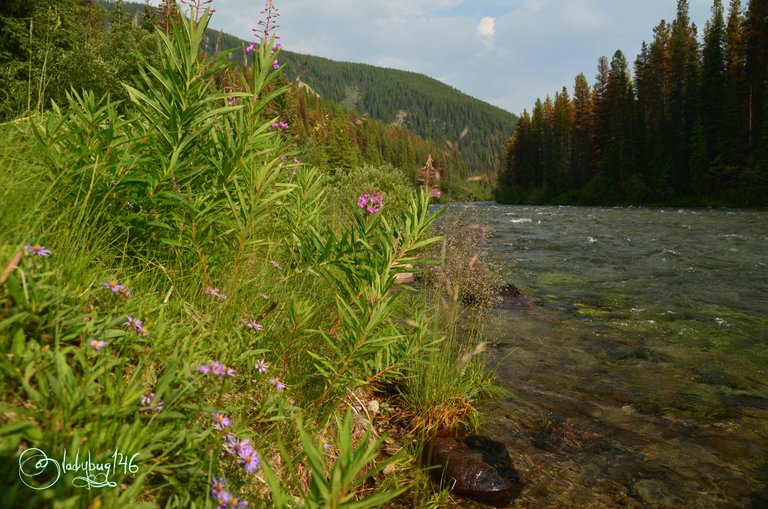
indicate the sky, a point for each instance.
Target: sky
{"x":505,"y":52}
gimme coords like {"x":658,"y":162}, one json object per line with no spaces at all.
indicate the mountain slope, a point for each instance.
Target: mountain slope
{"x":430,"y":108}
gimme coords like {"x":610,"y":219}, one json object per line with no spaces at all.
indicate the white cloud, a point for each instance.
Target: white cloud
{"x":487,"y":27}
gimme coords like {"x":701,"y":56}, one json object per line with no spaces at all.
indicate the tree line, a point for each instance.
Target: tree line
{"x":688,"y":126}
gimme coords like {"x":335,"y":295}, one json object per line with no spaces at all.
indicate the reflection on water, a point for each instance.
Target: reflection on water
{"x":640,"y":372}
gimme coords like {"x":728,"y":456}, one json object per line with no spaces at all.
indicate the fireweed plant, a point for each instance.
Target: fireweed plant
{"x":177,"y":300}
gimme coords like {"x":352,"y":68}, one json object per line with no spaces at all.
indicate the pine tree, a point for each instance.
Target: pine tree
{"x":735,"y":125}
{"x":582,"y":125}
{"x":699,"y":160}
{"x":756,"y":65}
{"x":601,"y":111}
{"x":684,"y":91}
{"x":713,"y":84}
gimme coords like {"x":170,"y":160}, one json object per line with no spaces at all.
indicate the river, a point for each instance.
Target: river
{"x":639,"y":372}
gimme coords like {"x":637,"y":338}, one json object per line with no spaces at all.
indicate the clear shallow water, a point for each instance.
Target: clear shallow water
{"x":640,"y":372}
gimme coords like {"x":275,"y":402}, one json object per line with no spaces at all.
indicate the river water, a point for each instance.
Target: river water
{"x":639,"y":370}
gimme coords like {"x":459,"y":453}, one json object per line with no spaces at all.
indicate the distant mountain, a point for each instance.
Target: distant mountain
{"x":432,"y":109}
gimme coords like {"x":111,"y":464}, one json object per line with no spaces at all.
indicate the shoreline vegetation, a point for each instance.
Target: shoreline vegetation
{"x":685,"y":124}
{"x":192,"y":317}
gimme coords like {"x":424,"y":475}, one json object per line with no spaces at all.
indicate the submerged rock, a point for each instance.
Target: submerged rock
{"x":476,"y":467}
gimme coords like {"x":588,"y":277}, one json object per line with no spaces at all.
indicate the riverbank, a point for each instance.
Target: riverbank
{"x":182,"y":304}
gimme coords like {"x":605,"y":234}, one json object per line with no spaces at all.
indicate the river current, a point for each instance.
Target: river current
{"x":638,"y":372}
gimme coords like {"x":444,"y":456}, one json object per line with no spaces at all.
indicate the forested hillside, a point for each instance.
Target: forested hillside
{"x":689,"y":125}
{"x":428,"y":107}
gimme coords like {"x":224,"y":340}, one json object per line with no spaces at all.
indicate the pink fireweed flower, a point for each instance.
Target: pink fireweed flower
{"x":277,"y":383}
{"x":251,"y":47}
{"x":371,"y":202}
{"x":296,"y":160}
{"x":221,"y":421}
{"x":37,"y":250}
{"x":113,"y":285}
{"x":275,"y":65}
{"x":435,"y":192}
{"x":262,"y":366}
{"x":97,"y":344}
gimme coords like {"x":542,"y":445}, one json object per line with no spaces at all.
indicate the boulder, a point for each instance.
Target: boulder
{"x":476,"y":467}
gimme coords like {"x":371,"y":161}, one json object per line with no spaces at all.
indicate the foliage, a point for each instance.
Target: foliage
{"x":687,"y":128}
{"x":175,"y":293}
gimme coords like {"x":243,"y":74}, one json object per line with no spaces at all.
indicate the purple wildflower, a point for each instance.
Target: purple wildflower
{"x":276,"y":265}
{"x":262,"y":366}
{"x":38,"y":250}
{"x":435,"y":192}
{"x":275,"y":65}
{"x":277,"y":383}
{"x":251,"y":47}
{"x":296,"y":160}
{"x":251,"y":324}
{"x":218,"y":486}
{"x":218,"y":369}
{"x":148,"y":401}
{"x":215,"y":368}
{"x":97,"y":344}
{"x":231,"y":101}
{"x":249,"y":459}
{"x":113,"y":285}
{"x":234,"y":446}
{"x":216,"y":292}
{"x":227,"y":500}
{"x":136,"y":324}
{"x":222,"y":421}
{"x":326,"y":445}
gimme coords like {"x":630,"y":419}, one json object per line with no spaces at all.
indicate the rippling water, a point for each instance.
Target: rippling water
{"x":640,"y":371}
